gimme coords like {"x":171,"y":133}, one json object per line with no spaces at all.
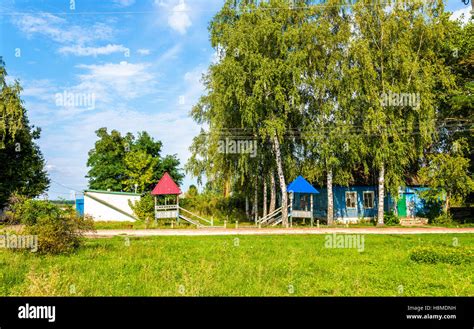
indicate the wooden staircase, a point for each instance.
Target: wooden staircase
{"x":194,"y":219}
{"x":413,"y":221}
{"x":272,"y":219}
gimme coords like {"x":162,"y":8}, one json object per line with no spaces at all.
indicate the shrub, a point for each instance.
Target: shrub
{"x":29,"y":212}
{"x":443,"y":219}
{"x":444,"y":254}
{"x":207,"y":204}
{"x":390,"y":218}
{"x":144,"y":208}
{"x":58,"y":230}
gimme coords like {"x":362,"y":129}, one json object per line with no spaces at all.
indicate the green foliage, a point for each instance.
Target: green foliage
{"x":119,"y":162}
{"x":221,"y":208}
{"x":58,"y":230}
{"x":441,"y":219}
{"x":21,"y":162}
{"x":442,"y":254}
{"x":192,"y":191}
{"x":144,"y":209}
{"x":448,"y":176}
{"x":432,"y":208}
{"x":390,"y":218}
{"x":11,"y":109}
{"x":139,"y":167}
{"x":30,"y":212}
{"x":304,"y":77}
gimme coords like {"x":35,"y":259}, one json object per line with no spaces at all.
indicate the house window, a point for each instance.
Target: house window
{"x":351,"y":199}
{"x":368,"y":199}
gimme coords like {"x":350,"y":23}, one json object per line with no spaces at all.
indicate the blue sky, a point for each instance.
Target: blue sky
{"x":137,"y":62}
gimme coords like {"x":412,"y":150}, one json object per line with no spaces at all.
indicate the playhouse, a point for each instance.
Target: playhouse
{"x":301,"y":199}
{"x":166,"y":195}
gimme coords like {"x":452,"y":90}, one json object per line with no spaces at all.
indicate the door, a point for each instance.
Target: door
{"x":402,"y":206}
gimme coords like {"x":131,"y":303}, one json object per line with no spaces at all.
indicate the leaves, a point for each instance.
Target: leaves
{"x":21,"y":162}
{"x":119,"y":162}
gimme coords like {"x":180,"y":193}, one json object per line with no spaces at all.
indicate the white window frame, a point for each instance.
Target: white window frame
{"x":373,"y":199}
{"x":355,"y":201}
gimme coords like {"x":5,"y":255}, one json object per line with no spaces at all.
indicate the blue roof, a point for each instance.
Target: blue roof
{"x":301,"y":185}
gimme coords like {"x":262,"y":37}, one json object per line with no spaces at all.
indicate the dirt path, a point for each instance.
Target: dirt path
{"x":277,"y":231}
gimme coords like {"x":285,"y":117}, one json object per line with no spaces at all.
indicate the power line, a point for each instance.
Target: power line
{"x":348,"y":3}
{"x":70,"y":188}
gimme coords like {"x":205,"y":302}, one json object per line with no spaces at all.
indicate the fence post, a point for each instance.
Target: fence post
{"x":225,"y":224}
{"x":317,"y":223}
{"x":236,"y":224}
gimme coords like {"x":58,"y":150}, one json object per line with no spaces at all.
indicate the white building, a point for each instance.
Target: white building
{"x":109,"y":206}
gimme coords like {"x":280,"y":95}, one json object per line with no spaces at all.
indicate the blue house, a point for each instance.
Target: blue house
{"x":351,"y":203}
{"x":355,"y":203}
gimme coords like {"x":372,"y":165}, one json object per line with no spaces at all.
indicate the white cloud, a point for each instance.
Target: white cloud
{"x":68,"y":147}
{"x":194,"y":86}
{"x":170,"y":54}
{"x":58,"y":29}
{"x":124,"y":3}
{"x":179,"y":20}
{"x":463,"y":14}
{"x":79,"y":50}
{"x":143,"y":52}
{"x":109,"y":81}
{"x":177,"y":13}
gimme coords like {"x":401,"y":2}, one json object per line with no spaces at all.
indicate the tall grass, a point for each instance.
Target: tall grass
{"x":238,"y":266}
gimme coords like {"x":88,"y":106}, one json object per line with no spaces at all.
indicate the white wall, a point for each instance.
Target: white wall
{"x":100,"y":212}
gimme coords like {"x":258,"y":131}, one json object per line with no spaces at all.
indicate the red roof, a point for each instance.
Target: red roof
{"x":166,"y":186}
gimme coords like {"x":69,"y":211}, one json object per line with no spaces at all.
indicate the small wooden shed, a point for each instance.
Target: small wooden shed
{"x":301,"y":199}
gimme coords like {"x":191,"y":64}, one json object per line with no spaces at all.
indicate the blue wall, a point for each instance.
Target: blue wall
{"x":413,"y":200}
{"x":415,"y":204}
{"x":340,"y":209}
{"x":80,"y":206}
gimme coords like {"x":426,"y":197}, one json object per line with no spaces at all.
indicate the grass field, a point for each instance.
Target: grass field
{"x":243,"y":266}
{"x":139,"y":225}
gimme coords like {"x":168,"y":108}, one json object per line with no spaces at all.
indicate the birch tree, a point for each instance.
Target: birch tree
{"x":396,"y":72}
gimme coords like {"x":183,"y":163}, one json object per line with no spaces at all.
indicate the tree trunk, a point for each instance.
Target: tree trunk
{"x":247,"y":206}
{"x":272,"y":192}
{"x":227,"y":187}
{"x":264,"y":196}
{"x":330,"y":214}
{"x":255,"y":201}
{"x":281,"y":177}
{"x":381,"y":195}
{"x":446,"y":205}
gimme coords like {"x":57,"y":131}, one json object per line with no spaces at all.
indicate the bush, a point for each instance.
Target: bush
{"x":144,"y":208}
{"x":29,"y":212}
{"x":443,"y":219}
{"x":390,"y":218}
{"x":219,"y":207}
{"x":58,"y":230}
{"x":449,"y":255}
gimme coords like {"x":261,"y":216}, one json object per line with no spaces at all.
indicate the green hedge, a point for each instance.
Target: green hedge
{"x":442,"y":254}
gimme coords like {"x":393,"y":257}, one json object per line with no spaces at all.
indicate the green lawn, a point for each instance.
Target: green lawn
{"x":243,"y":266}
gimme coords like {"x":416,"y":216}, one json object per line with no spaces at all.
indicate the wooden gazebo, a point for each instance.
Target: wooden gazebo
{"x":166,"y":187}
{"x":300,"y":207}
